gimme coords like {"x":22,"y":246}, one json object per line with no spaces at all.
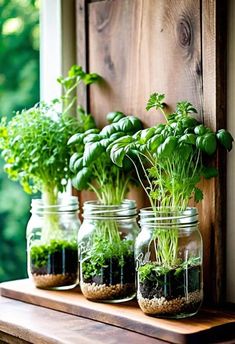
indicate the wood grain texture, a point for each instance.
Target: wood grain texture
{"x":81,"y":39}
{"x":174,"y":47}
{"x":213,"y":208}
{"x":22,"y":323}
{"x":140,"y":47}
{"x":206,"y":326}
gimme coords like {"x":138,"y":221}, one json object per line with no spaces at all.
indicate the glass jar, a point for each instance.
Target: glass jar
{"x":52,"y":244}
{"x":106,"y":251}
{"x":168,"y":254}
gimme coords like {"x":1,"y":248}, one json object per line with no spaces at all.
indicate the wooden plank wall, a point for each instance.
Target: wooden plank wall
{"x":143,"y":46}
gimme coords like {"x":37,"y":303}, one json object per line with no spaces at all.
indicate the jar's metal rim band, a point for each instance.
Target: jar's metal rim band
{"x":126,"y":204}
{"x":166,"y":216}
{"x":95,"y":210}
{"x":65,"y":204}
{"x":112,"y":217}
{"x":168,"y":225}
{"x":42,"y":211}
{"x":163,"y":210}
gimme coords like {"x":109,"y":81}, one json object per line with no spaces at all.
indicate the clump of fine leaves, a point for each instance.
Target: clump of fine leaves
{"x":34,"y":142}
{"x":172,"y":154}
{"x":91,"y":165}
{"x":40,"y":254}
{"x":101,"y":251}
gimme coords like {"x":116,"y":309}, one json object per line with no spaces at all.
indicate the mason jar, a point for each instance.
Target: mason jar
{"x":52,"y":248}
{"x":106,"y":251}
{"x":168,"y":254}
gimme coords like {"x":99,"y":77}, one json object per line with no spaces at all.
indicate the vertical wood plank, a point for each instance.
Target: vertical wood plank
{"x":213,"y":208}
{"x":174,"y":47}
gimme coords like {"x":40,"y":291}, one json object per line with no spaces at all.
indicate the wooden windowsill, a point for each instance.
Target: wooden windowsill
{"x":105,"y":321}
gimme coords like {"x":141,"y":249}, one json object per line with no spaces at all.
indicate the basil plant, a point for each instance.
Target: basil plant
{"x":91,"y":165}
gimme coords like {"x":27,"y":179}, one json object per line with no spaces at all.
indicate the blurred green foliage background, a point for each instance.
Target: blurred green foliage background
{"x":19,"y":88}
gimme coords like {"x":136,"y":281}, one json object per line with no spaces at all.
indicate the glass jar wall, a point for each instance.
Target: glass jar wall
{"x":52,"y":244}
{"x":168,"y":254}
{"x":106,"y":251}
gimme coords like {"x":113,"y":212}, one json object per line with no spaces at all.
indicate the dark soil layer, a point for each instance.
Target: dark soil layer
{"x":64,"y":261}
{"x":113,"y":273}
{"x":173,"y":284}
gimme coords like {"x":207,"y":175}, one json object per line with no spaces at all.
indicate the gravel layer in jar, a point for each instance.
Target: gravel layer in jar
{"x":177,"y":306}
{"x":97,"y":292}
{"x":52,"y":281}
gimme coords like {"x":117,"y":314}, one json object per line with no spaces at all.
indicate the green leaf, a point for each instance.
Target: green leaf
{"x":113,"y":117}
{"x":110,"y":129}
{"x":127,"y":166}
{"x":198,"y":195}
{"x":188,"y":122}
{"x":155,"y":142}
{"x":118,"y":149}
{"x":184,"y":151}
{"x":76,"y":138}
{"x":166,"y":149}
{"x":209,"y":172}
{"x":167,"y":132}
{"x":78,"y":165}
{"x":105,"y":142}
{"x":76,"y":71}
{"x":183,"y":108}
{"x":146,"y":134}
{"x":91,"y":138}
{"x":81,"y":180}
{"x":200,"y":130}
{"x":116,"y":136}
{"x":159,"y":128}
{"x":188,"y":138}
{"x":92,"y":151}
{"x":89,"y":79}
{"x":225,"y":138}
{"x":199,"y":142}
{"x":209,"y":143}
{"x":155,"y":101}
{"x":129,"y":124}
{"x":73,"y":159}
{"x":91,"y":131}
{"x":117,"y":154}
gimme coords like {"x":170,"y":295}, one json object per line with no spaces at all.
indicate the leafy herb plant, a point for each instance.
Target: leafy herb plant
{"x":34,"y":147}
{"x":107,"y":254}
{"x":173,"y":157}
{"x":172,"y":154}
{"x":91,"y":165}
{"x":34,"y":142}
